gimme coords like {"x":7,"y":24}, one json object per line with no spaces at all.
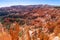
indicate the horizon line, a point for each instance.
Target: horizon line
{"x":27,"y":5}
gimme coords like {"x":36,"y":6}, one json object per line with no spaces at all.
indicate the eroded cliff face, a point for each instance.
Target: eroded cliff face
{"x":28,"y":22}
{"x":4,"y":34}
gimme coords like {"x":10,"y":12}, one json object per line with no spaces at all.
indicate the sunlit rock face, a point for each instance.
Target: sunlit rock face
{"x":56,"y":38}
{"x":56,"y":34}
{"x":14,"y":31}
{"x":4,"y":35}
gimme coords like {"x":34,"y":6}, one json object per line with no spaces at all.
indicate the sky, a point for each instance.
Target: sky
{"x":4,"y":3}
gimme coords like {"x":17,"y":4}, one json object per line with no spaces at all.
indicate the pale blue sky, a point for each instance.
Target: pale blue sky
{"x":4,"y":3}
